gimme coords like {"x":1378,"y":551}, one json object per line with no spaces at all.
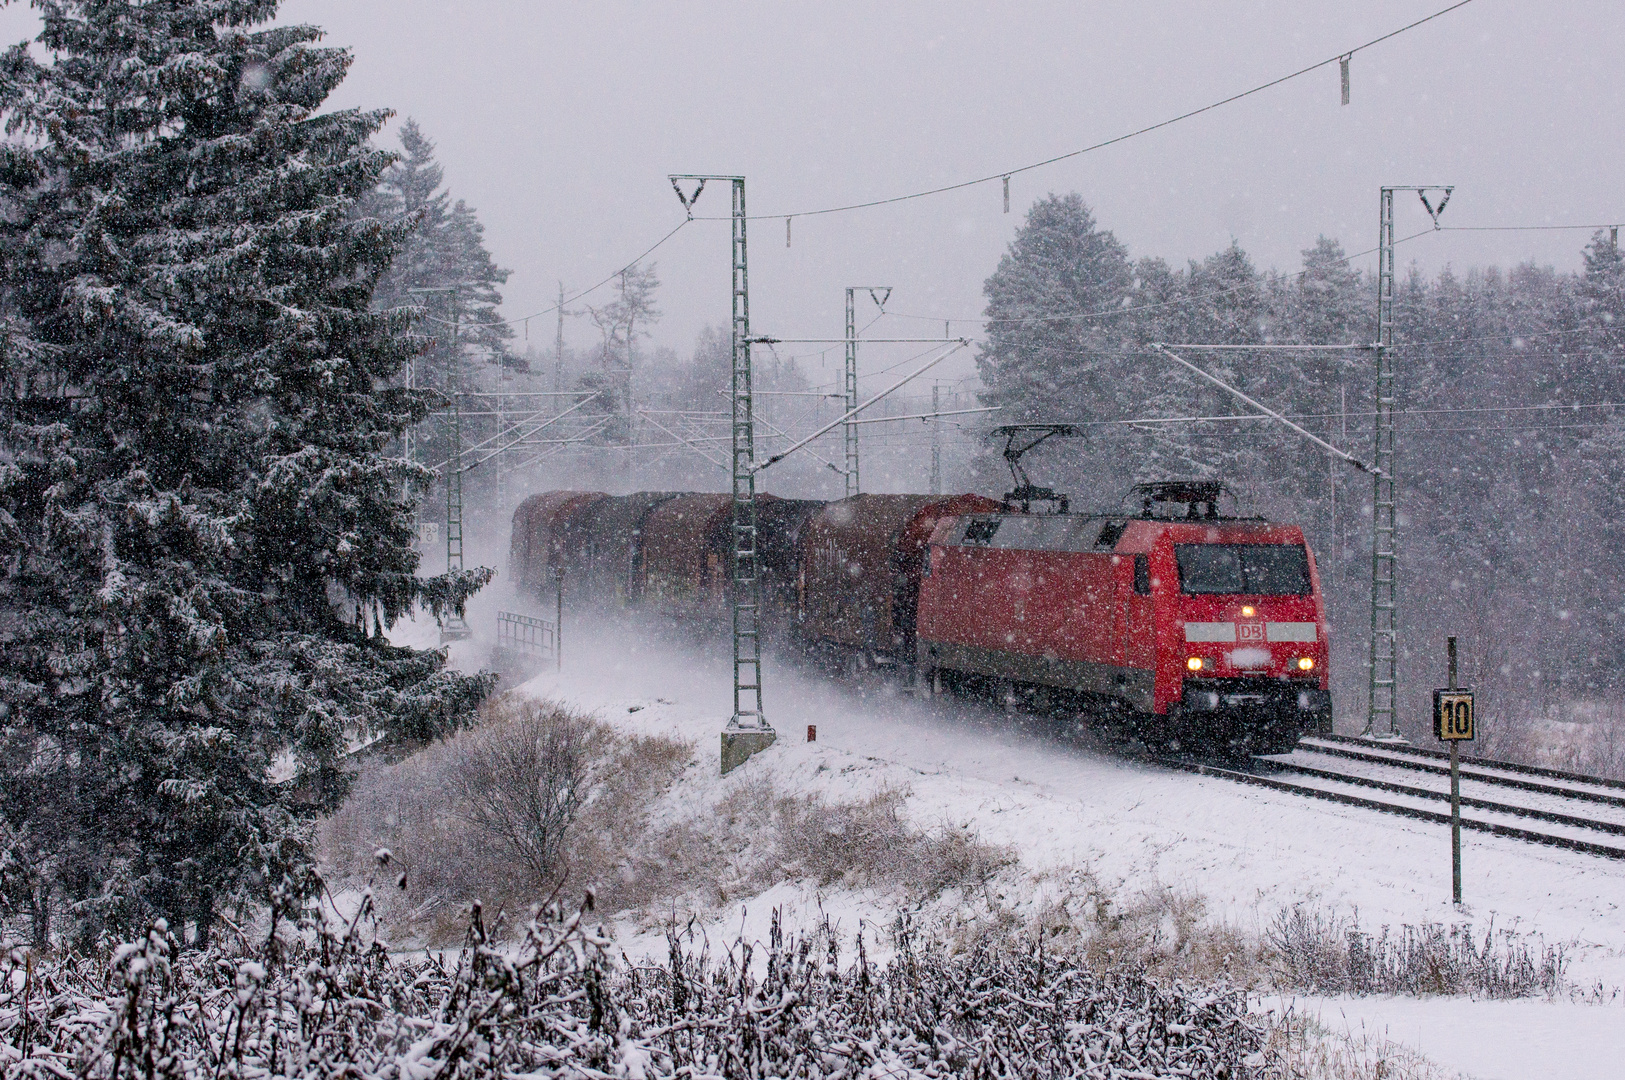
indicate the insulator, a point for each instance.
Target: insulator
{"x":1343,"y":67}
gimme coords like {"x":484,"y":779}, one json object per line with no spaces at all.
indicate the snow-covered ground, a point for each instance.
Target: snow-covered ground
{"x":1487,"y":1040}
{"x":1063,"y":802}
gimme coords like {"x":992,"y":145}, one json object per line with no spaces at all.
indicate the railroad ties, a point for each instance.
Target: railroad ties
{"x":1579,"y":813}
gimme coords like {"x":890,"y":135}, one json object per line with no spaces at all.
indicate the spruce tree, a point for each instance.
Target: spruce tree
{"x":203,"y":537}
{"x":444,"y":251}
{"x":1054,"y":348}
{"x":1057,"y":347}
{"x":1601,"y":308}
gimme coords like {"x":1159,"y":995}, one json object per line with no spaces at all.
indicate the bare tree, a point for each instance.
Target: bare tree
{"x":621,"y":322}
{"x":522,"y":782}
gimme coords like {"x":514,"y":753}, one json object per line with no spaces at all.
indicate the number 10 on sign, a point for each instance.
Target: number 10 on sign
{"x":1453,"y":715}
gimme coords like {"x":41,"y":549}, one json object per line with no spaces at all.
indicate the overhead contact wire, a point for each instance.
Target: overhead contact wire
{"x":1005,"y":173}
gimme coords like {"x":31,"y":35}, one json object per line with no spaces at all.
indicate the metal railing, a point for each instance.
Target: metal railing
{"x":523,"y":638}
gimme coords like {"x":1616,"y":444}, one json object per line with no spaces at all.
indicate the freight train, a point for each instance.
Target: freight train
{"x":1184,"y":627}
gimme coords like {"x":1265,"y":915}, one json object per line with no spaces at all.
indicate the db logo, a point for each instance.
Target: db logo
{"x":1250,"y":633}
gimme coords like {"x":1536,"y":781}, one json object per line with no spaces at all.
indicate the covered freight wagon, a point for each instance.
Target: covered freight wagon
{"x":859,"y":573}
{"x":685,"y":557}
{"x":611,"y":559}
{"x":541,"y":545}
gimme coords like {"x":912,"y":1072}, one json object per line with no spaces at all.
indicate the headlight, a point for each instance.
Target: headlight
{"x":1195,"y":663}
{"x":1306,"y":663}
{"x":1247,"y":612}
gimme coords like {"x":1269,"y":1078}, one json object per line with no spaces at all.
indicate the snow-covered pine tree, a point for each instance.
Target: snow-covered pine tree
{"x":445,"y":249}
{"x":201,"y":536}
{"x":1601,"y":307}
{"x":1055,"y":348}
{"x":1052,"y":346}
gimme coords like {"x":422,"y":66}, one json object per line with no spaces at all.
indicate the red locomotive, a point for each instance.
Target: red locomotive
{"x":1193,"y":629}
{"x":1186,"y":627}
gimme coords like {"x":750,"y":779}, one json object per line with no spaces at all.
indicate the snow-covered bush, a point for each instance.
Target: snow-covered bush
{"x":1322,"y":953}
{"x":554,"y":1005}
{"x":1584,"y":737}
{"x":537,"y":793}
{"x":533,"y":794}
{"x":521,"y":782}
{"x":871,"y":842}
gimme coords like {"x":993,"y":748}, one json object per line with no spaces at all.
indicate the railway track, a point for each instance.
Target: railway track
{"x":1520,"y":802}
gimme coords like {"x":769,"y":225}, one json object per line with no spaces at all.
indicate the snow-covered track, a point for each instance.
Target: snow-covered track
{"x":1535,"y":813}
{"x":1571,"y":785}
{"x":1477,"y":762}
{"x":1276,"y":776}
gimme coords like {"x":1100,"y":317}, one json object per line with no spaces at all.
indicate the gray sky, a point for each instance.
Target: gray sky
{"x":559,"y":123}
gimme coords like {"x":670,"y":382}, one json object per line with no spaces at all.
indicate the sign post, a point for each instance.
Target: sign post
{"x":558,"y":624}
{"x":1453,"y":722}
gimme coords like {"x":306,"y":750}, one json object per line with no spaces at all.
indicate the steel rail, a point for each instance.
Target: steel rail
{"x":1489,"y":763}
{"x":1508,"y":831}
{"x":1466,"y":774}
{"x":1478,"y":804}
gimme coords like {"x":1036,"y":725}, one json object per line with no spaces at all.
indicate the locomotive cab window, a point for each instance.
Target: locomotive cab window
{"x":1142,"y":574}
{"x":1237,"y":569}
{"x":981,"y":532}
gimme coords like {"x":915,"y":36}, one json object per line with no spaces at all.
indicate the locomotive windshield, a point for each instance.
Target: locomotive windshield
{"x":1251,"y":569}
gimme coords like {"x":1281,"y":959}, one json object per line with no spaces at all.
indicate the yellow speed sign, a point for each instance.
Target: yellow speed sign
{"x":1453,"y":714}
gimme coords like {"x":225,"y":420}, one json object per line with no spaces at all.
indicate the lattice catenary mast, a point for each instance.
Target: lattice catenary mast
{"x":879,"y":294}
{"x":1384,"y":672}
{"x":748,"y":730}
{"x":454,"y":629}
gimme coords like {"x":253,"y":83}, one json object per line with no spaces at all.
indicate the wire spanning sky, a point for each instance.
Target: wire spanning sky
{"x":559,"y":123}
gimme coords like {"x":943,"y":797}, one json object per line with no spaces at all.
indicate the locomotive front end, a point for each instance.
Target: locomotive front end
{"x":1242,"y":640}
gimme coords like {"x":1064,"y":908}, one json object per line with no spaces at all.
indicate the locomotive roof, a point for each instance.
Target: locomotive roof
{"x":1125,"y":515}
{"x":1082,"y":531}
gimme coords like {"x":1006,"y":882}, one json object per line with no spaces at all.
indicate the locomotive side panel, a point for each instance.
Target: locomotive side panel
{"x":1028,"y":599}
{"x":909,"y":559}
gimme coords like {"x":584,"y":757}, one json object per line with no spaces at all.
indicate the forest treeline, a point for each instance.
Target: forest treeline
{"x":1508,"y":448}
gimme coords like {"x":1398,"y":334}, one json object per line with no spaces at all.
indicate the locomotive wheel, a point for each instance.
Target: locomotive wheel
{"x":1282,"y":741}
{"x":1261,"y":741}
